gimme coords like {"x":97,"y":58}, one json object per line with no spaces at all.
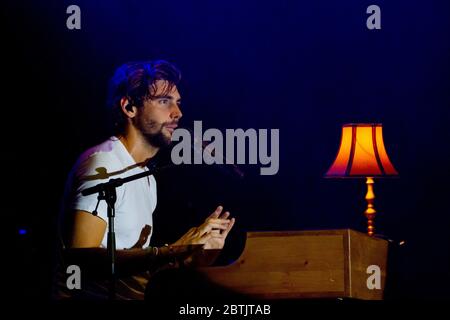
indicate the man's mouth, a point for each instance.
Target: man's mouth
{"x":171,"y":127}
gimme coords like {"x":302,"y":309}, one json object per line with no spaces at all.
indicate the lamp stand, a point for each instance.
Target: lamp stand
{"x":370,"y":211}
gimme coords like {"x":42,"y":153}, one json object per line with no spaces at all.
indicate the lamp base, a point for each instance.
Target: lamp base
{"x":370,"y":211}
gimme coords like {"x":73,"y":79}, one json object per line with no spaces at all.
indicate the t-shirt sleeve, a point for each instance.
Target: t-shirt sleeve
{"x":98,"y":168}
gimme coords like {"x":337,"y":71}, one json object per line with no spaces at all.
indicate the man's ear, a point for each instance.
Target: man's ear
{"x":127,"y":107}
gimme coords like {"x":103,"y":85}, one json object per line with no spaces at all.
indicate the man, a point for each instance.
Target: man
{"x":146,"y":106}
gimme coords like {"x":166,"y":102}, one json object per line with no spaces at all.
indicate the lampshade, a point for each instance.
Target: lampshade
{"x":361,"y":153}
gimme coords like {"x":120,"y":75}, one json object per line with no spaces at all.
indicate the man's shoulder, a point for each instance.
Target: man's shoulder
{"x":102,"y":158}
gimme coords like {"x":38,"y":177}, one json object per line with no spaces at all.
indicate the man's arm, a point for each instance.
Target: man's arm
{"x":85,"y":230}
{"x":95,"y":262}
{"x":83,"y":237}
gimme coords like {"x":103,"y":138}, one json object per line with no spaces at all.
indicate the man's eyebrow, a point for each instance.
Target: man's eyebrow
{"x":167,"y":97}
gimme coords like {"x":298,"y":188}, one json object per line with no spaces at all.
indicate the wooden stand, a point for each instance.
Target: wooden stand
{"x":307,"y":264}
{"x":370,"y":211}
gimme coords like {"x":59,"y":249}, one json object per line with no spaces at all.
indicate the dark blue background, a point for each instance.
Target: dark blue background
{"x":305,"y":67}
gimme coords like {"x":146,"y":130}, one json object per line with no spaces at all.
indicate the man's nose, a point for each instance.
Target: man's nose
{"x":176,"y":112}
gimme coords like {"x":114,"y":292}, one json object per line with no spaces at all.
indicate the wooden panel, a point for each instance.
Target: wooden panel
{"x":366,"y":251}
{"x":286,"y":264}
{"x":303,"y":264}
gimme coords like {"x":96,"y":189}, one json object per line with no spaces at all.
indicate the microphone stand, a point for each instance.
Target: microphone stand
{"x":107,"y":191}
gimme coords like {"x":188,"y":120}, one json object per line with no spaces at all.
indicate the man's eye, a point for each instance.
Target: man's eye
{"x":164,"y":101}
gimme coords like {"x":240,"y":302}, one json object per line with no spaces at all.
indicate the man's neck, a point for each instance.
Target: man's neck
{"x":138,"y":147}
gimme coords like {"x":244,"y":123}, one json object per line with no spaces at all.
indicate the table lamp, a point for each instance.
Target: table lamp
{"x":362,"y":155}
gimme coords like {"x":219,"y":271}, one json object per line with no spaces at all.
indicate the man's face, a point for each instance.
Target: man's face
{"x":158,"y":117}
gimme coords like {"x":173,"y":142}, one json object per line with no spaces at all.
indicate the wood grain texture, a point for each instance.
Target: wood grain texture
{"x":304,"y":264}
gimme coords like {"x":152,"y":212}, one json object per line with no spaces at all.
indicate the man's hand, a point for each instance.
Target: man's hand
{"x":211,"y":233}
{"x":218,"y":235}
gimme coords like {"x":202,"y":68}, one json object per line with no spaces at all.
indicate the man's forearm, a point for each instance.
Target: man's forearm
{"x":204,"y":258}
{"x":95,"y":262}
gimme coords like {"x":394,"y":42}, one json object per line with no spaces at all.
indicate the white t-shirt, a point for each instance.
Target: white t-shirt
{"x":136,"y":200}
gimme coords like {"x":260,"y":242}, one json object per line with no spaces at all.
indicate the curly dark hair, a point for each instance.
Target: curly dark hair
{"x":136,"y":81}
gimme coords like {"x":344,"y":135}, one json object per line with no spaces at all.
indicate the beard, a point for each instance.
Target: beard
{"x":158,"y":139}
{"x":152,"y":131}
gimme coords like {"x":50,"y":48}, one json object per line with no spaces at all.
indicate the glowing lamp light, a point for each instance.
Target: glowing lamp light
{"x":362,"y":155}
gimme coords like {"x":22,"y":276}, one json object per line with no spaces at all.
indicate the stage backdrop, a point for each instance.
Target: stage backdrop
{"x":303,"y":67}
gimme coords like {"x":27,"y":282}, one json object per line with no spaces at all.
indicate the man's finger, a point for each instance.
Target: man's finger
{"x":210,"y":226}
{"x":224,"y":215}
{"x":205,"y":237}
{"x":227,"y":230}
{"x":216,"y":213}
{"x":219,"y":221}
